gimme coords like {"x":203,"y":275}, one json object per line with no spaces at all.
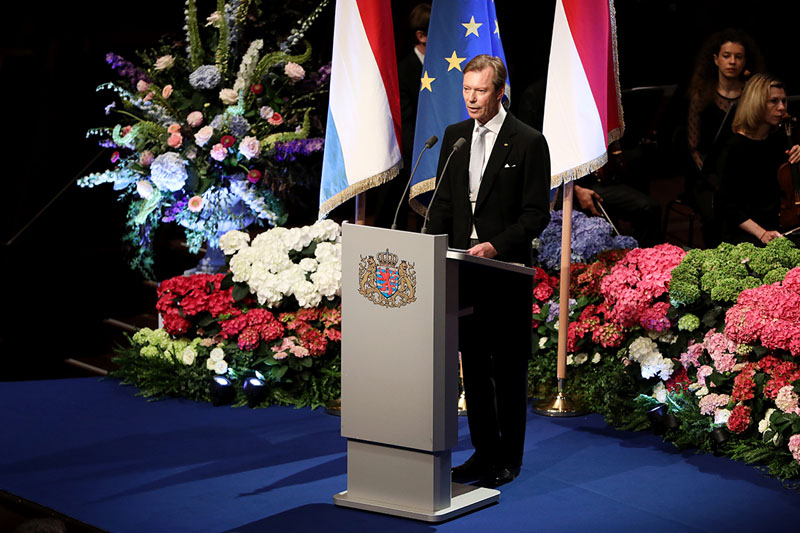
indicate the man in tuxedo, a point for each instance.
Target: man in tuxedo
{"x":493,"y":201}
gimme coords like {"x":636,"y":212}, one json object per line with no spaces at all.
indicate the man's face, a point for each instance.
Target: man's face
{"x":480,"y":95}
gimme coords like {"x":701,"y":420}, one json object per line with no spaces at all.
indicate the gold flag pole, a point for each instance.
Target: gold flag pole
{"x":462,"y":399}
{"x":560,"y":405}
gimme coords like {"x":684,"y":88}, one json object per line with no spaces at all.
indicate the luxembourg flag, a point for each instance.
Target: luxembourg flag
{"x":582,"y":111}
{"x":361,"y":140}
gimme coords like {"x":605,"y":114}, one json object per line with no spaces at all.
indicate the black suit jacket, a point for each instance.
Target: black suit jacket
{"x":513,"y":200}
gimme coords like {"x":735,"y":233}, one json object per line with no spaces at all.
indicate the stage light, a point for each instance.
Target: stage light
{"x":222,"y":391}
{"x":255,"y":390}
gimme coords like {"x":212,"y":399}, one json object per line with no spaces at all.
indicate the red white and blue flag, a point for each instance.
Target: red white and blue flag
{"x":582,"y":112}
{"x":362,"y":147}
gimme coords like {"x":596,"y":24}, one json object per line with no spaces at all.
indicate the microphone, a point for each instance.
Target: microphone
{"x":430,"y":143}
{"x":458,"y":145}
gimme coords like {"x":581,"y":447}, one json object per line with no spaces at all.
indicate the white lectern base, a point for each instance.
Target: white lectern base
{"x":465,"y":498}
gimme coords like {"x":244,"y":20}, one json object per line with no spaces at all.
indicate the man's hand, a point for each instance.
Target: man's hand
{"x":484,"y":249}
{"x":586,"y":199}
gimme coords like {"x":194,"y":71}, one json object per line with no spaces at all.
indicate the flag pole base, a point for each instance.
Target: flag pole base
{"x":559,"y":406}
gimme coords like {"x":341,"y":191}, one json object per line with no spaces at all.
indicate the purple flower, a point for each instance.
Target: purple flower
{"x":289,"y":149}
{"x":239,"y":126}
{"x":126,"y":69}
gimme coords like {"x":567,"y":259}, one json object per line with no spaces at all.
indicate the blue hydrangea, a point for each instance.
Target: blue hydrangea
{"x":590,"y":236}
{"x":217,"y":122}
{"x":168,"y":172}
{"x":238,"y":125}
{"x":205,"y":77}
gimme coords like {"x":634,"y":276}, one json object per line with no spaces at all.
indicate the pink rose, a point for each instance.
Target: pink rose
{"x":250,"y":147}
{"x":194,"y":119}
{"x":195,"y":204}
{"x":174,"y":128}
{"x":228,"y":96}
{"x":219,"y":152}
{"x":164,"y":62}
{"x":175,"y":140}
{"x":294,"y":71}
{"x":276,"y":119}
{"x":145,"y":158}
{"x":142,"y":86}
{"x":166,"y":91}
{"x":203,"y":135}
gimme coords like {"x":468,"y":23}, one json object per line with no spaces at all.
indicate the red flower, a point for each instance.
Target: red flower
{"x":227,"y":141}
{"x":276,"y":119}
{"x":542,"y":292}
{"x":115,"y":156}
{"x":254,"y":175}
{"x":256,"y":88}
{"x":679,"y":381}
{"x":744,"y":384}
{"x":739,"y":419}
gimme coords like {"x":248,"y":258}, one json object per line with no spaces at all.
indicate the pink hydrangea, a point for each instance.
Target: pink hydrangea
{"x":711,"y":402}
{"x":787,"y":400}
{"x":636,"y":282}
{"x":794,"y":447}
{"x":769,"y":314}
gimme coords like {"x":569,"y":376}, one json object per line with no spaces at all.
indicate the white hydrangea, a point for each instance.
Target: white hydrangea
{"x":189,"y":355}
{"x":220,"y":367}
{"x":328,"y":279}
{"x":296,"y":238}
{"x":233,"y":241}
{"x":721,"y":416}
{"x":217,"y":354}
{"x":309,"y":264}
{"x":645,"y":352}
{"x":660,"y":392}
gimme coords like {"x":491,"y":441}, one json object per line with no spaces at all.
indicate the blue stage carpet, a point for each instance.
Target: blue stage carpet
{"x":94,"y":451}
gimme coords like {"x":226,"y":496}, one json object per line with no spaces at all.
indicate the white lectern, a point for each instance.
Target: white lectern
{"x":400,"y":373}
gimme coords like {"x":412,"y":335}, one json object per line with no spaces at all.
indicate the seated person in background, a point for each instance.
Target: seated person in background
{"x":621,"y":201}
{"x":723,"y":64}
{"x":750,"y":193}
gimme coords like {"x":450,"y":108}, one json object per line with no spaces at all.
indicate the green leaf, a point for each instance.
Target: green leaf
{"x":278,"y":372}
{"x":306,"y":362}
{"x":240,"y":291}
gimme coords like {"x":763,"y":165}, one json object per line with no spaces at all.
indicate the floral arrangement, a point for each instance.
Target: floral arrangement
{"x":209,"y":138}
{"x":590,"y":236}
{"x":214,"y":324}
{"x":724,"y":367}
{"x":718,"y":275}
{"x":633,"y":287}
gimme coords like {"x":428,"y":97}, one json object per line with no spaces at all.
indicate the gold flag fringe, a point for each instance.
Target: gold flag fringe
{"x":357,"y":188}
{"x":421,"y":188}
{"x":579,"y":171}
{"x":616,"y":133}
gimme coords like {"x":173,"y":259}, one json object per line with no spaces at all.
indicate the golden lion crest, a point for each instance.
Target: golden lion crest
{"x":383,"y":282}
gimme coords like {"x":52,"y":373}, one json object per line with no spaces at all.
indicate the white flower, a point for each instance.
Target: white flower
{"x":294,"y":71}
{"x":542,"y":342}
{"x":763,"y":425}
{"x":570,"y":360}
{"x":721,"y":416}
{"x":210,"y":363}
{"x":228,"y":96}
{"x":660,"y":392}
{"x":164,"y":62}
{"x":296,"y":238}
{"x":203,"y":135}
{"x":266,"y":112}
{"x":144,"y":188}
{"x":233,"y":241}
{"x":596,"y":357}
{"x":328,"y":279}
{"x":217,"y":354}
{"x":581,"y":358}
{"x":250,"y":147}
{"x":189,"y":355}
{"x":702,"y":391}
{"x":220,"y":367}
{"x":214,"y":19}
{"x":308,"y":264}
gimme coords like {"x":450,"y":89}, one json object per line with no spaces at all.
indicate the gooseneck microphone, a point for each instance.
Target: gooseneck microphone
{"x":428,"y":144}
{"x":458,"y":145}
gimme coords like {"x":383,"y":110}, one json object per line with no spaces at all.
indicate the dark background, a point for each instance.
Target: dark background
{"x":68,"y":270}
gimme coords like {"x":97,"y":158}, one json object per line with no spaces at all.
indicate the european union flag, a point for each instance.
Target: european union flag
{"x":458,"y":31}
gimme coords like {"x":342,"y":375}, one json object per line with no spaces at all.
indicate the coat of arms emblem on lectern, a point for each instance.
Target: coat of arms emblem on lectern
{"x":383,"y":282}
